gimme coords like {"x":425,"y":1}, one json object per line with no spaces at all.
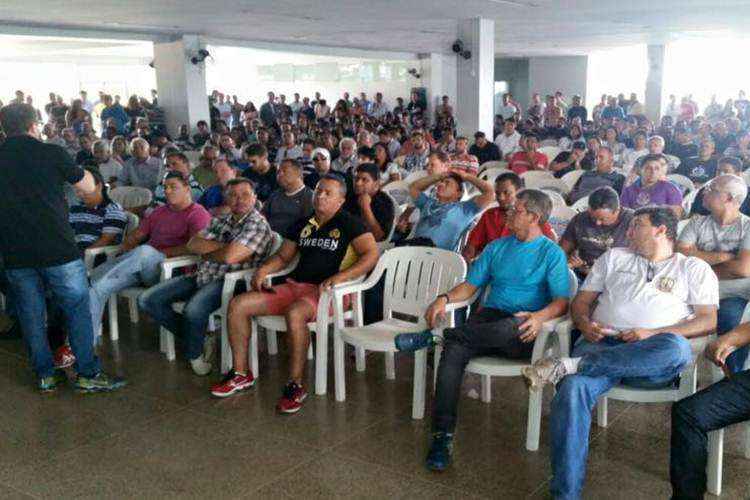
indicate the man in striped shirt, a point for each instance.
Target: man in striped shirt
{"x":97,"y":221}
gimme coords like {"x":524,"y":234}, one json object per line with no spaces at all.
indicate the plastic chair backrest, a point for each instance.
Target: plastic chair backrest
{"x":681,"y":225}
{"x":684,"y":183}
{"x":414,"y":276}
{"x":396,"y":214}
{"x":415,"y":176}
{"x":535,"y":176}
{"x":560,"y":218}
{"x":130,"y":196}
{"x":492,"y":164}
{"x":132,"y":224}
{"x":550,"y":151}
{"x":399,"y":191}
{"x":572,"y":177}
{"x":193,"y":157}
{"x":548,"y":183}
{"x":581,"y":205}
{"x":491,"y":174}
{"x":556,"y":197}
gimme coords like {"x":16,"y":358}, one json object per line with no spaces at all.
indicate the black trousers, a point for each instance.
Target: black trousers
{"x":488,"y":332}
{"x":724,"y":403}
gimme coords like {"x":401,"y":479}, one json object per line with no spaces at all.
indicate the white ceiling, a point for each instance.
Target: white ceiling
{"x":523,"y":27}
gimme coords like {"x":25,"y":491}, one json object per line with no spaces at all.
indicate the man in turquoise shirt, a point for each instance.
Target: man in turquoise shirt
{"x":529,"y":284}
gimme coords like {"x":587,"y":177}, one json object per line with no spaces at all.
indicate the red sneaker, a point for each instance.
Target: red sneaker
{"x":233,"y":384}
{"x":64,"y":357}
{"x":291,"y":399}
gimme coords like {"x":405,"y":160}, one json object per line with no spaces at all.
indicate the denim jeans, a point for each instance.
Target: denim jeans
{"x":138,"y":266}
{"x":715,"y":407}
{"x":728,"y":317}
{"x":650,"y":363}
{"x":488,"y":332}
{"x":200,"y":302}
{"x":69,"y":288}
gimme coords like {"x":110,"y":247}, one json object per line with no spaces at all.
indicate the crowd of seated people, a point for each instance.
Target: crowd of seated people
{"x":316,"y":174}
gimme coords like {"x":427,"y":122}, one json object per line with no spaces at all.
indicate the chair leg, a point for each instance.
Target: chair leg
{"x":390,"y":365}
{"x":359,"y":354}
{"x":310,"y":352}
{"x":486,"y":388}
{"x":114,"y":332}
{"x":226,"y":349}
{"x":133,"y":305}
{"x":420,"y":375}
{"x":321,"y":362}
{"x":435,"y":365}
{"x":746,"y":444}
{"x":273,"y":342}
{"x":253,"y":349}
{"x":601,"y":412}
{"x":168,"y":342}
{"x":338,"y":367}
{"x":114,"y":326}
{"x":715,"y":461}
{"x":534,"y":423}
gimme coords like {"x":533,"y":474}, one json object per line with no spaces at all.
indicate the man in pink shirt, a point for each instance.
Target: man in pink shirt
{"x":163,"y":233}
{"x":529,"y":158}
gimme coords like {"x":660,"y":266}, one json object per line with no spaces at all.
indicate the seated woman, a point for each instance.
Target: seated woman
{"x":653,"y":188}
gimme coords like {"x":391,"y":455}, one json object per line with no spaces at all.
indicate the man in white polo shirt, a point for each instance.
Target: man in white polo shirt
{"x":648,"y":299}
{"x":722,"y":239}
{"x":509,"y":140}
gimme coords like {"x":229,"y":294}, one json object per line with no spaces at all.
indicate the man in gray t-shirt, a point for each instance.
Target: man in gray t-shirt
{"x":723,"y":240}
{"x":591,"y":233}
{"x":292,"y":201}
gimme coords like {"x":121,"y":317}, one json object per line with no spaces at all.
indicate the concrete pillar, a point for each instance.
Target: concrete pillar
{"x":654,"y":82}
{"x":180,"y":83}
{"x":439,"y":78}
{"x":476,"y":77}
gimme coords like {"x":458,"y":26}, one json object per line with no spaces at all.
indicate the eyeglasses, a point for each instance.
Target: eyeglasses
{"x":318,"y":159}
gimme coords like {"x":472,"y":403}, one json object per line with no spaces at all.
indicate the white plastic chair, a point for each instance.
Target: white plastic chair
{"x":688,"y":199}
{"x":531,"y":177}
{"x":193,"y":157}
{"x":414,"y":276}
{"x":131,"y":197}
{"x":399,"y":191}
{"x":166,"y":338}
{"x":684,"y":183}
{"x":581,"y":205}
{"x":546,"y":343}
{"x":556,"y":197}
{"x":681,"y":225}
{"x":560,"y":218}
{"x":323,"y":320}
{"x":493,"y":164}
{"x":168,"y":267}
{"x":571,"y":178}
{"x":90,"y":254}
{"x":414,"y":176}
{"x":550,"y":151}
{"x":548,"y":183}
{"x":490,"y":174}
{"x":386,"y":243}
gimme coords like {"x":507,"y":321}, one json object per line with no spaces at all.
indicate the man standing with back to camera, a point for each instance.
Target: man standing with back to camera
{"x":39,"y":250}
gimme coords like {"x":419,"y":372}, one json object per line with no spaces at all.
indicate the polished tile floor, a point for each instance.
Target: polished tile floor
{"x":164,"y":436}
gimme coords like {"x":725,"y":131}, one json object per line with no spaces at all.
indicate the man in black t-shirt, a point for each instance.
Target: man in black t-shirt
{"x":333,"y":247}
{"x":369,"y":203}
{"x":39,"y":249}
{"x":260,"y":171}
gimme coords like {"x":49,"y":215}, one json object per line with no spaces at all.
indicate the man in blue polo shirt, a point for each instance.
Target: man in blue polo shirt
{"x":529,"y":284}
{"x":444,"y":217}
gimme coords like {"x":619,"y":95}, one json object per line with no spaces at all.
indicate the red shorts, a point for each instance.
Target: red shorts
{"x":285,"y":294}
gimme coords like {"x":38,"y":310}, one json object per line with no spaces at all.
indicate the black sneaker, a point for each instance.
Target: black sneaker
{"x":50,"y":384}
{"x":101,"y":382}
{"x":440,"y":455}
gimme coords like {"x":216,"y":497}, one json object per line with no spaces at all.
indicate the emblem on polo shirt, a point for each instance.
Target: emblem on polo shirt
{"x":307,"y":231}
{"x":335,"y":234}
{"x":643,"y":199}
{"x":666,"y":284}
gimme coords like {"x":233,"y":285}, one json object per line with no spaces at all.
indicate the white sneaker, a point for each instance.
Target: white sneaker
{"x":200,"y":366}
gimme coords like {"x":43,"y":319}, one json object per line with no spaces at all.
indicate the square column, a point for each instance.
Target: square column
{"x":439,"y":77}
{"x":180,"y":83}
{"x":654,"y":82}
{"x":476,"y":77}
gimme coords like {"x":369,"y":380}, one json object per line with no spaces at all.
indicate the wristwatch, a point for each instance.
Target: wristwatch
{"x":447,"y":297}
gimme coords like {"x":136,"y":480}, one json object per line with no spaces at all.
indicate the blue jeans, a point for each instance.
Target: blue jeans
{"x":650,"y":363}
{"x":139,"y":266}
{"x":200,"y":302}
{"x":69,"y":288}
{"x":728,"y":317}
{"x":724,"y":403}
